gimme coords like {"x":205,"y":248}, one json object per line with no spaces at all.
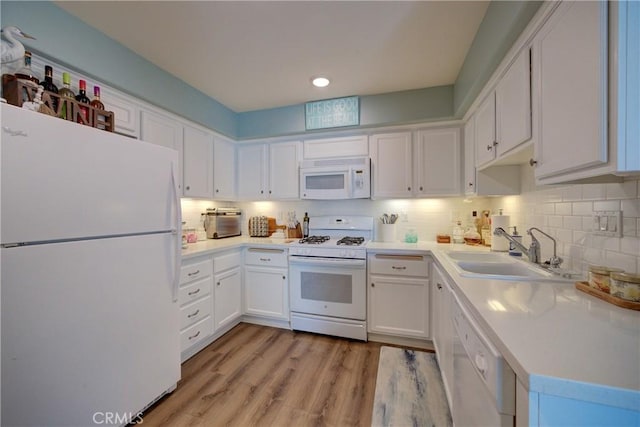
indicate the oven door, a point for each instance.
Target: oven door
{"x":334,"y":287}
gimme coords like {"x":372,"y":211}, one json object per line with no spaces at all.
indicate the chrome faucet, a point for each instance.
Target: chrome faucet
{"x":532,"y":254}
{"x":555,"y":260}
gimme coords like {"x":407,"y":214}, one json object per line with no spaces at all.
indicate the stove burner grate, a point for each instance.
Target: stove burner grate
{"x":351,"y":241}
{"x":314,"y":240}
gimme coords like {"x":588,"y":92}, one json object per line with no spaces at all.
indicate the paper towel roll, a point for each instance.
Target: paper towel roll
{"x":499,"y":243}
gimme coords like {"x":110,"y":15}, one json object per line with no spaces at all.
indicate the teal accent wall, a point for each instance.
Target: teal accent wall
{"x":503,"y":23}
{"x":394,"y":108}
{"x":69,"y":41}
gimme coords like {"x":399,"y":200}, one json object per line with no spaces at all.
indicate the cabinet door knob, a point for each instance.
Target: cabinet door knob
{"x":187,"y":187}
{"x":373,"y":285}
{"x":218,"y":283}
{"x":420,"y":188}
{"x":439,"y":286}
{"x":532,"y":162}
{"x":489,"y":147}
{"x":261,"y":191}
{"x":284,"y":277}
{"x":408,"y":188}
{"x":471,"y":184}
{"x":217,"y":191}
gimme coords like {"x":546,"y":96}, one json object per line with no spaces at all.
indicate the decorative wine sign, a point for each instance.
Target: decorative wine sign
{"x":332,"y":113}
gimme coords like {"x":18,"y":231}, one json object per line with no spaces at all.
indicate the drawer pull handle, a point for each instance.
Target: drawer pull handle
{"x":194,"y":273}
{"x":195,"y":336}
{"x":195,"y":313}
{"x":398,"y":268}
{"x":266,"y":250}
{"x":265,"y":259}
{"x":194,"y":292}
{"x":401,"y":257}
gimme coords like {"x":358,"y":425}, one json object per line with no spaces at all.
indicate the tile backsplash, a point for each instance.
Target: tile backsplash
{"x":564,"y":211}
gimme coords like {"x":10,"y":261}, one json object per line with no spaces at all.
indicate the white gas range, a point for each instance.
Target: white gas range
{"x":328,"y":277}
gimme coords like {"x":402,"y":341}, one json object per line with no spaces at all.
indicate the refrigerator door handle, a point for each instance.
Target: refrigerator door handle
{"x":177,"y":232}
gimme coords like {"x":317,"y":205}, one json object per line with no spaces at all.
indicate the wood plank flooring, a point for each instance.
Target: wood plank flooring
{"x":260,"y":376}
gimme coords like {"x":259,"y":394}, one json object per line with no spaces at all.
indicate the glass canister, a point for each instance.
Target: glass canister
{"x":600,"y":277}
{"x":626,"y":286}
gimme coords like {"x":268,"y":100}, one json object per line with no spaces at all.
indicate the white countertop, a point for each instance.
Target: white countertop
{"x":557,"y":339}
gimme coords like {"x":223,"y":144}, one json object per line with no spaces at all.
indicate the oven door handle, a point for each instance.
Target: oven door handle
{"x":334,"y":262}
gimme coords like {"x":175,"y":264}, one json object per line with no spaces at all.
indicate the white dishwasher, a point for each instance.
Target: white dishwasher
{"x":484,"y":387}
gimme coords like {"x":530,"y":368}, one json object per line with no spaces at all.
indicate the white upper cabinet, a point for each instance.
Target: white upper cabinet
{"x":513,"y":104}
{"x":437,"y":162}
{"x":224,"y":169}
{"x":268,"y":171}
{"x":284,"y":159}
{"x":198,"y":163}
{"x":391,"y":165}
{"x":125,"y":111}
{"x":571,"y":85}
{"x":587,"y":86}
{"x":485,"y":130}
{"x":345,"y":146}
{"x":503,"y":120}
{"x":252,"y":171}
{"x":163,"y":130}
{"x":469,"y":183}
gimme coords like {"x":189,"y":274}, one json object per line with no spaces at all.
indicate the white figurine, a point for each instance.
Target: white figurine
{"x":12,"y":49}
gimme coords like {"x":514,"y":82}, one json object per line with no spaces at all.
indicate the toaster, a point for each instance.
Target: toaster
{"x":222,"y":222}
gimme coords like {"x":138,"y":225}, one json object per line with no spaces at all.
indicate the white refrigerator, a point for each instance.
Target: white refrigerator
{"x":90,"y":260}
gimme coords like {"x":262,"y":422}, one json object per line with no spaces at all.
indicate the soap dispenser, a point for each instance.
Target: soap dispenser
{"x":513,"y":249}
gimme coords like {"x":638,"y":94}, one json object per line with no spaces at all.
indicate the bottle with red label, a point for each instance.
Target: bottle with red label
{"x":84,"y":101}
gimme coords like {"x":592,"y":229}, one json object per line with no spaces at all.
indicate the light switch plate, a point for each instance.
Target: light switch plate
{"x":607,"y":223}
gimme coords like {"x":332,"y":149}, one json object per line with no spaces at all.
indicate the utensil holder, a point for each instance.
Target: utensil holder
{"x":387,"y":232}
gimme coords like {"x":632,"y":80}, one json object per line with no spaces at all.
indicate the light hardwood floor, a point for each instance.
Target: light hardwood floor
{"x":261,"y":376}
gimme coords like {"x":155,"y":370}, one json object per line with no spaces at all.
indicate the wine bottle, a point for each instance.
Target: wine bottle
{"x":82,"y":98}
{"x":48,"y":85}
{"x":305,"y":225}
{"x":95,"y":102}
{"x":66,"y":92}
{"x":25,"y":72}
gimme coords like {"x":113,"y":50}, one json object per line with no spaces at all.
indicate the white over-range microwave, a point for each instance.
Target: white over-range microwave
{"x":333,"y":179}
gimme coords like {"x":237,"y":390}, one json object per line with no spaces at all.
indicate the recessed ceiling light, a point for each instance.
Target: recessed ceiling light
{"x":320,"y":82}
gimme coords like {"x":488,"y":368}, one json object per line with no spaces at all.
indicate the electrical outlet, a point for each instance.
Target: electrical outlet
{"x":607,"y":223}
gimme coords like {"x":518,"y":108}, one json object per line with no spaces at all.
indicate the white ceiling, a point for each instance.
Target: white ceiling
{"x":252,"y":55}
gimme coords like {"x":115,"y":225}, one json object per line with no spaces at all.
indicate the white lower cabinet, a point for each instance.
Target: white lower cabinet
{"x":210,"y":298}
{"x":228,"y":297}
{"x":195,"y":299}
{"x":227,"y":288}
{"x":442,"y":328}
{"x":398,"y":295}
{"x":266,"y":283}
